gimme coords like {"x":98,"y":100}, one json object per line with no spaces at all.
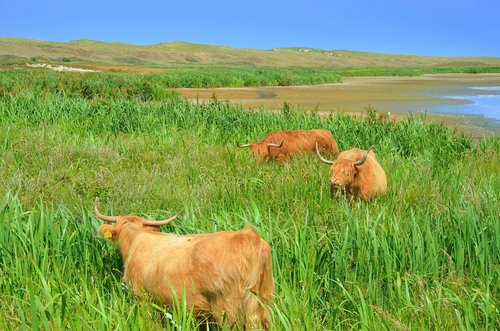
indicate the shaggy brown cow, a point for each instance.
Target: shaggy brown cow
{"x":358,"y":173}
{"x":281,"y":144}
{"x":224,"y":274}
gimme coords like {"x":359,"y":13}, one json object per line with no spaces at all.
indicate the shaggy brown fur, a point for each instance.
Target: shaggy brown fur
{"x":227,"y":272}
{"x":363,"y":181}
{"x":293,"y":142}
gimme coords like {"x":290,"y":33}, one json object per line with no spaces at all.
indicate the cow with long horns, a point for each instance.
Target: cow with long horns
{"x":357,"y":173}
{"x":279,"y":145}
{"x":225,"y":275}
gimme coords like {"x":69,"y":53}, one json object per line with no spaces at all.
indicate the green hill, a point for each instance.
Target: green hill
{"x":183,"y":53}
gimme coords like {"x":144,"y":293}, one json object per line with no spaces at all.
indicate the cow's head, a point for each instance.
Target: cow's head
{"x":119,"y":222}
{"x":343,"y":172}
{"x":261,"y":150}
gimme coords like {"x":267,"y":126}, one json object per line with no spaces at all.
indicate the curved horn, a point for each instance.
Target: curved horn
{"x":243,"y":145}
{"x":276,"y":145}
{"x":160,"y":223}
{"x":360,"y":162}
{"x":106,"y":218}
{"x":322,"y":158}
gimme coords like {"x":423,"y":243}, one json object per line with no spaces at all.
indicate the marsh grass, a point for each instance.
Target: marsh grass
{"x":426,"y":256}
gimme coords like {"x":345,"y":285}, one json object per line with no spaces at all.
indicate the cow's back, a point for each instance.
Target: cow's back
{"x":216,"y":272}
{"x":297,"y":141}
{"x":159,"y":262}
{"x":325,"y":139}
{"x":226,"y":258}
{"x":230,"y":269}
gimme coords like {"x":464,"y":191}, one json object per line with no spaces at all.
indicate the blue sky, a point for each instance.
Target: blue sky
{"x":421,"y":27}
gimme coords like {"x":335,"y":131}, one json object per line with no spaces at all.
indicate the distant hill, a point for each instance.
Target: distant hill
{"x":183,"y":53}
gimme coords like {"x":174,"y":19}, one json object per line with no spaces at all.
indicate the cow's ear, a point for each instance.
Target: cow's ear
{"x":108,"y":231}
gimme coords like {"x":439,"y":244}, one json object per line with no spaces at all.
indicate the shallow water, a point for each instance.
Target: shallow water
{"x":482,"y":101}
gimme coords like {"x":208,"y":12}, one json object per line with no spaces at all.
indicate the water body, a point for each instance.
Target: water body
{"x":481,"y":101}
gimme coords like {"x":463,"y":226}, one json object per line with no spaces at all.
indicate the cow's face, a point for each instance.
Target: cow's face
{"x":343,"y":174}
{"x":260,"y":150}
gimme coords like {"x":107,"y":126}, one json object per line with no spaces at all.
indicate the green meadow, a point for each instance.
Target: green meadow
{"x":424,"y":257}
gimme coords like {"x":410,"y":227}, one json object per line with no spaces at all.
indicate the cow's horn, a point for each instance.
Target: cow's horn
{"x":243,"y":145}
{"x":276,"y":145}
{"x":322,"y":158}
{"x":160,"y":223}
{"x":106,"y":218}
{"x":360,"y":162}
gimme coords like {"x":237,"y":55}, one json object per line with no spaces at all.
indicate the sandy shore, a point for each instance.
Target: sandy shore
{"x":397,"y":95}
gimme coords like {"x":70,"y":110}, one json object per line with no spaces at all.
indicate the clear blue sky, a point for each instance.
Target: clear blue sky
{"x":422,"y":27}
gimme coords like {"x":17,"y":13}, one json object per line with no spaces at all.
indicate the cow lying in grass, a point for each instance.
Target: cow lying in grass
{"x":358,"y":173}
{"x":279,"y":145}
{"x":226,"y":275}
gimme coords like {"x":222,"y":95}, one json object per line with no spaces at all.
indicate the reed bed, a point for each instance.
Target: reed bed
{"x":426,"y":256}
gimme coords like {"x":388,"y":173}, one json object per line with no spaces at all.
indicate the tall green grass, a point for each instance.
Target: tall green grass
{"x":426,"y":256}
{"x":152,"y":86}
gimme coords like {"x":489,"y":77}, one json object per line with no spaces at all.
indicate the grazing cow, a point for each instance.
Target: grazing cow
{"x":281,"y":144}
{"x":225,"y":275}
{"x":358,"y":173}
